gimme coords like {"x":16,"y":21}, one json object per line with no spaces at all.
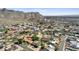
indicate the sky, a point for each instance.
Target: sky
{"x":50,"y":11}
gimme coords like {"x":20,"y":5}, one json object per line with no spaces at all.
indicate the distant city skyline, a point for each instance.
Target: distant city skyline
{"x":50,"y":11}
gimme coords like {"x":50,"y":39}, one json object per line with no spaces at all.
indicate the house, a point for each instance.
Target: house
{"x":46,"y":37}
{"x":11,"y":32}
{"x":14,"y":48}
{"x":51,"y":47}
{"x":18,"y":48}
{"x":72,"y":41}
{"x":67,"y":29}
{"x":57,"y":40}
{"x":39,"y":35}
{"x":77,"y":39}
{"x":28,"y":39}
{"x":77,"y":45}
{"x":73,"y":44}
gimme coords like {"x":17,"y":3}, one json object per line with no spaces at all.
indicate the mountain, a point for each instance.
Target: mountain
{"x":12,"y":16}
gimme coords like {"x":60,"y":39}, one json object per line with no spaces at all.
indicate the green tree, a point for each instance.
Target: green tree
{"x":35,"y":38}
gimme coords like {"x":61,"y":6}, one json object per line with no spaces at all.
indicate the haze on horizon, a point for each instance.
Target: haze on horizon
{"x":50,"y":11}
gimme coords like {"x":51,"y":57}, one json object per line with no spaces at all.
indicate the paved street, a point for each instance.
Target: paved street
{"x":25,"y":48}
{"x":62,"y":44}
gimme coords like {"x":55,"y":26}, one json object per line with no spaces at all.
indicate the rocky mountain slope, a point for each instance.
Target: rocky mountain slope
{"x":11,"y":16}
